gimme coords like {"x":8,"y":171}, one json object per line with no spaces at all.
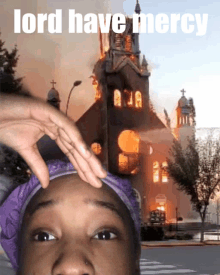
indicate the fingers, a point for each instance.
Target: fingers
{"x":86,"y":169}
{"x":70,"y":133}
{"x":71,"y":158}
{"x":82,"y":166}
{"x":90,"y":158}
{"x":34,"y":160}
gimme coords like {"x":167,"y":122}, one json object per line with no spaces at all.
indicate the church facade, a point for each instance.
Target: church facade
{"x":126,"y":134}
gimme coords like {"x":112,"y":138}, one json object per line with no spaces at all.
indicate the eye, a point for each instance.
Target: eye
{"x":44,"y":237}
{"x":105,"y":235}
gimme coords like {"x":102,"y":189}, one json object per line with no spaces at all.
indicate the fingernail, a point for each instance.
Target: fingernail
{"x":98,"y":183}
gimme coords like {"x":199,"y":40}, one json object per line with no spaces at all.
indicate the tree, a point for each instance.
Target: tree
{"x":11,"y":163}
{"x":196,"y":171}
{"x":9,"y":83}
{"x":13,"y":166}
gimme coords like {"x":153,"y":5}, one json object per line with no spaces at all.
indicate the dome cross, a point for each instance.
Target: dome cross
{"x":53,"y":82}
{"x":183,"y":92}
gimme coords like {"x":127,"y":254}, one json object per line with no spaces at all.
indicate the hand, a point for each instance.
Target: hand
{"x":23,"y":121}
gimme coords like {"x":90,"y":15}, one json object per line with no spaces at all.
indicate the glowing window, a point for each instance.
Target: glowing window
{"x":117,"y":98}
{"x":138,"y":100}
{"x":128,"y":141}
{"x":164,"y":172}
{"x":130,"y":100}
{"x":161,"y":208}
{"x":156,"y":171}
{"x":123,"y":163}
{"x":128,"y":163}
{"x":96,"y":148}
{"x":128,"y":43}
{"x":95,"y":85}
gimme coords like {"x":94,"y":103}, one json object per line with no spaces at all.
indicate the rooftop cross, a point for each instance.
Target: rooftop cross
{"x":53,"y":82}
{"x":183,"y":92}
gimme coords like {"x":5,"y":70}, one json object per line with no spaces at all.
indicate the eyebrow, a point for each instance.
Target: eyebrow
{"x":105,"y":204}
{"x":43,"y":204}
{"x":98,"y":203}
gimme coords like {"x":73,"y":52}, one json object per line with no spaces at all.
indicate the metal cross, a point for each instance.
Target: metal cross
{"x":53,"y":82}
{"x":183,"y":91}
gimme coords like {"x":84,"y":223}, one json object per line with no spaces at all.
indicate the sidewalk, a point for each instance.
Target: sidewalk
{"x":173,"y":243}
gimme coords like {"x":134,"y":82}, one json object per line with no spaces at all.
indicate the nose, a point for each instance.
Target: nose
{"x":73,"y":263}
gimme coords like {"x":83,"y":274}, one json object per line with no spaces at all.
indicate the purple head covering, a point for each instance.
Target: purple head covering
{"x":13,"y":209}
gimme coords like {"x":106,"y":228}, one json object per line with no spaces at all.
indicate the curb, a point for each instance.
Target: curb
{"x":174,"y":244}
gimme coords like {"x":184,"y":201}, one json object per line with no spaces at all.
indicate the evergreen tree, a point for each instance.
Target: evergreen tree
{"x":2,"y":51}
{"x":9,"y":83}
{"x":12,"y":164}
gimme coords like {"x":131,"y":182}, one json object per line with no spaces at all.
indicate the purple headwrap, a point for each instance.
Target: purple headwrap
{"x":13,"y":209}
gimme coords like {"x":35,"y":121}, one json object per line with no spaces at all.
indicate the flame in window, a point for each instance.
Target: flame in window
{"x":128,"y":160}
{"x":95,"y":84}
{"x":96,"y":148}
{"x":123,"y":163}
{"x":128,"y":43}
{"x":161,"y":208}
{"x":129,"y":141}
{"x":133,"y":57}
{"x":156,"y":171}
{"x":129,"y":96}
{"x":117,"y":98}
{"x":164,"y":172}
{"x":128,"y":163}
{"x":138,"y":99}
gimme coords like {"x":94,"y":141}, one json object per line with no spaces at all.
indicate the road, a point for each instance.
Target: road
{"x":197,"y":260}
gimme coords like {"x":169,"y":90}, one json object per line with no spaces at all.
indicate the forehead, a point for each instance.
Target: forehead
{"x":72,"y":184}
{"x":71,"y":187}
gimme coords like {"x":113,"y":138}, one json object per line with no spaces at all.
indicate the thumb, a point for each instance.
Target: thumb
{"x":36,"y":163}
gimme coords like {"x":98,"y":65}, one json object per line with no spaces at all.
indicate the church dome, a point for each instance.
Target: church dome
{"x":53,"y":95}
{"x":183,"y":101}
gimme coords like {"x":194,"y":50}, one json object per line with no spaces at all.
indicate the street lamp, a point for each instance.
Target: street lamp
{"x":76,"y":83}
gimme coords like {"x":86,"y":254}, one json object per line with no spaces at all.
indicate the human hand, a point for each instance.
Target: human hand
{"x":23,"y":121}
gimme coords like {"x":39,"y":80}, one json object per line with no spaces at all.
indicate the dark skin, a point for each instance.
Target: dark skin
{"x":73,"y":228}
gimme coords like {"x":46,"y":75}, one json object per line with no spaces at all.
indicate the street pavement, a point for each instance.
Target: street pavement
{"x":197,"y":260}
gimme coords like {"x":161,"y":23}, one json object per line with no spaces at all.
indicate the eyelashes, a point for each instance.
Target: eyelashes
{"x":105,"y":235}
{"x":43,"y":236}
{"x":102,"y":235}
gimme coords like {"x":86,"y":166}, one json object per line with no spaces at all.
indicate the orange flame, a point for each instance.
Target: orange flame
{"x":95,"y":85}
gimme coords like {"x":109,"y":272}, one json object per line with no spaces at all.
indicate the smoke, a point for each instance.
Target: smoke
{"x":63,"y":57}
{"x":157,"y":136}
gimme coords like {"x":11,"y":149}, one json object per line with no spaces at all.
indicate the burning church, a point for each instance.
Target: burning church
{"x":125,"y":133}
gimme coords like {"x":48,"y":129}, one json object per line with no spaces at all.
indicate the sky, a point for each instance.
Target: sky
{"x":184,"y":61}
{"x":178,"y":61}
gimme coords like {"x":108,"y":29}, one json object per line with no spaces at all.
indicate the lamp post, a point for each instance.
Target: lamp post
{"x":76,"y":83}
{"x":176,"y":219}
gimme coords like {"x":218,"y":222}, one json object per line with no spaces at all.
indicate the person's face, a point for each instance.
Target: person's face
{"x":74,"y":228}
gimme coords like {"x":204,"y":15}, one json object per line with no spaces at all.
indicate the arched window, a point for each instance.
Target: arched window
{"x":96,"y":148}
{"x":129,"y":98}
{"x":128,"y":163}
{"x":117,"y":98}
{"x":128,"y":43}
{"x":128,"y":160}
{"x":156,"y":171}
{"x":95,"y":85}
{"x":129,"y":141}
{"x":164,"y":172}
{"x":138,"y":99}
{"x":123,"y":163}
